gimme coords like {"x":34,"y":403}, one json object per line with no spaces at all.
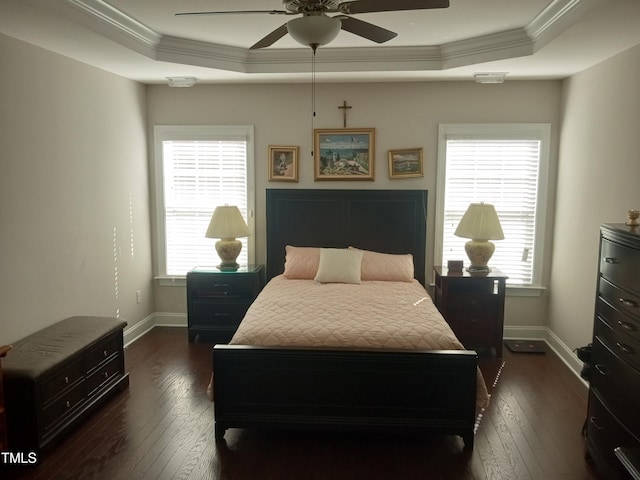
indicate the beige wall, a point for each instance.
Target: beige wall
{"x":403,"y":114}
{"x":74,"y":208}
{"x":598,"y":181}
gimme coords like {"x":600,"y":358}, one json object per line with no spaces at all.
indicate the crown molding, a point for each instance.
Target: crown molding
{"x":519,"y":42}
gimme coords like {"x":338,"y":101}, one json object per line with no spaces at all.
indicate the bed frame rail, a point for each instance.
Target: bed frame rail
{"x":354,"y":390}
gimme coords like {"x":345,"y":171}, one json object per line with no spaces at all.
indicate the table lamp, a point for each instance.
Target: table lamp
{"x":227,"y":224}
{"x":480,"y":223}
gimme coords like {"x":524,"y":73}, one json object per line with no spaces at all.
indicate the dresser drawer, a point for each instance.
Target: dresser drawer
{"x":624,"y":301}
{"x":222,"y":286}
{"x":103,"y":375}
{"x":103,"y":351}
{"x":619,"y":264}
{"x":618,"y":320}
{"x":618,"y":341}
{"x":64,"y":379}
{"x":604,"y":434}
{"x":57,"y":410}
{"x":612,"y":379}
{"x":474,"y":305}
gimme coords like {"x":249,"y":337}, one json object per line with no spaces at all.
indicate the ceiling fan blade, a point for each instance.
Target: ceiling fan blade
{"x":235,"y":12}
{"x":365,"y":29}
{"x":369,"y":6}
{"x":270,"y":39}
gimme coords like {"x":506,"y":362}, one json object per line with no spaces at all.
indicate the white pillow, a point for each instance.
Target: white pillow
{"x":339,"y":265}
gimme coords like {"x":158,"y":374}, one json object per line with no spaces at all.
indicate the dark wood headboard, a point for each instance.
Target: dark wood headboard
{"x":388,"y":221}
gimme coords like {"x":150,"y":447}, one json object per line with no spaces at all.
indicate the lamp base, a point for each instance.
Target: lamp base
{"x":228,"y":267}
{"x":228,"y":250}
{"x":479,"y":253}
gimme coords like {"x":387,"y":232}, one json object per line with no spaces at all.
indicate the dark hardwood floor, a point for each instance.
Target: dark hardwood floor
{"x":162,"y":428}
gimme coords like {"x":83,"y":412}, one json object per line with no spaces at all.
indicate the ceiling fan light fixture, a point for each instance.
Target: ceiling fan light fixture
{"x":313,"y":30}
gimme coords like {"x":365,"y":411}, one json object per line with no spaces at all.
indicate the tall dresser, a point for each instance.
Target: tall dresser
{"x":613,"y":429}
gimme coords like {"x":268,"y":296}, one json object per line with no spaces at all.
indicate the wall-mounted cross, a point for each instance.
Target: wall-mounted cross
{"x":344,"y":107}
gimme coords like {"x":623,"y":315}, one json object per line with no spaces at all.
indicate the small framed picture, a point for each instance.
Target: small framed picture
{"x":405,"y":163}
{"x":283,"y":163}
{"x":344,"y":154}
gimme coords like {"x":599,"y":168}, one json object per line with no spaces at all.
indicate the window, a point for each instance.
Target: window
{"x":505,"y":165}
{"x":197,"y":169}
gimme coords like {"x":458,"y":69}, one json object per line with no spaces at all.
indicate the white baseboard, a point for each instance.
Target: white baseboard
{"x":133,"y":333}
{"x":554,"y":343}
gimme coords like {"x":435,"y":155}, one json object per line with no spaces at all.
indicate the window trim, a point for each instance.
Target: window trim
{"x":528,"y":130}
{"x":197,"y":132}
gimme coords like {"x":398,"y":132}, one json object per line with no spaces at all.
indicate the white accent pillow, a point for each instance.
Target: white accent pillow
{"x":339,"y":265}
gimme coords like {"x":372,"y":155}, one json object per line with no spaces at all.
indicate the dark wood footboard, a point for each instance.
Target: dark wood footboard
{"x":320,"y":389}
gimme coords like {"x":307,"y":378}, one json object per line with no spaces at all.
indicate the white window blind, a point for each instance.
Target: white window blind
{"x":199,"y":174}
{"x":501,"y":167}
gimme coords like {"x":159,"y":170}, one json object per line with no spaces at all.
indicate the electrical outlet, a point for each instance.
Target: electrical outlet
{"x":138,"y":296}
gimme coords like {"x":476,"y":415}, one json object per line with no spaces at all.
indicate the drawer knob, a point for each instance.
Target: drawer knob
{"x":68,"y":404}
{"x":66,"y":379}
{"x":105,"y":353}
{"x":602,"y":370}
{"x":611,"y":260}
{"x":625,"y":348}
{"x":628,"y":303}
{"x":594,"y":422}
{"x":106,"y":374}
{"x":627,"y":326}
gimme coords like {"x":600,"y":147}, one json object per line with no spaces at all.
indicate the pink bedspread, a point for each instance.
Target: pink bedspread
{"x":374,"y":314}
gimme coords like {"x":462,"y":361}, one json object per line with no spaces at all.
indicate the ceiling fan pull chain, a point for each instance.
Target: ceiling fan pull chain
{"x":313,"y":93}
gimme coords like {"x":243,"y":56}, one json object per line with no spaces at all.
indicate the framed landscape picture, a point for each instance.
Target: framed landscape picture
{"x":405,"y":163}
{"x":283,"y":163}
{"x":344,"y":154}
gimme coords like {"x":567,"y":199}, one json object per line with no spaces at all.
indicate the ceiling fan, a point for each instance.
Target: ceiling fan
{"x":315,"y":27}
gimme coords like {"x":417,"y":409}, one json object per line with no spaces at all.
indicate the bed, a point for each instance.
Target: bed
{"x":370,"y":381}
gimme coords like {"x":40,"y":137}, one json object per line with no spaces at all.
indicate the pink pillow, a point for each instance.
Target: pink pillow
{"x":301,"y":262}
{"x":386,"y":266}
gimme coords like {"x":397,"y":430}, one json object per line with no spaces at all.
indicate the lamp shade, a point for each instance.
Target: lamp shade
{"x":227,"y":222}
{"x":480,"y":222}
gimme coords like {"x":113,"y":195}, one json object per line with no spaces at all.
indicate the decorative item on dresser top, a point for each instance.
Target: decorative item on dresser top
{"x":217,"y":300}
{"x":3,"y":420}
{"x":613,"y":428}
{"x":473,"y":304}
{"x":57,"y":376}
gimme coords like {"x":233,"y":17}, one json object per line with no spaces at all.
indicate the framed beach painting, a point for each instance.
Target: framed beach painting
{"x":405,"y":163}
{"x":283,"y":163}
{"x":344,"y":154}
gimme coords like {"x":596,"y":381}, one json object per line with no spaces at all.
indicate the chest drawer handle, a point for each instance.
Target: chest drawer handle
{"x":628,"y":303}
{"x":67,"y":404}
{"x":627,"y":326}
{"x":218,"y":285}
{"x":611,"y":260}
{"x":217,"y":314}
{"x":625,"y":348}
{"x":66,"y":379}
{"x":602,"y":370}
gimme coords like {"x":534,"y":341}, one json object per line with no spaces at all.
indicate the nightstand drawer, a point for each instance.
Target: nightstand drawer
{"x":619,"y":264}
{"x":474,"y":305}
{"x":222,"y":286}
{"x":222,"y":314}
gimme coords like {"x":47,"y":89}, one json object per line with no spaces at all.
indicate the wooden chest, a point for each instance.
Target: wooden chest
{"x":57,"y":376}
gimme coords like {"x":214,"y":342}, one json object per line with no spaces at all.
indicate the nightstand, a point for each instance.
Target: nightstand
{"x":473,"y":305}
{"x":217,"y":300}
